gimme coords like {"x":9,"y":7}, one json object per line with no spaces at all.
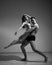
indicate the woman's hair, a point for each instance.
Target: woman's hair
{"x":25,"y":17}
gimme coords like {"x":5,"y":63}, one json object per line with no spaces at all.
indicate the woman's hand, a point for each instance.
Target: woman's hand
{"x":15,"y":33}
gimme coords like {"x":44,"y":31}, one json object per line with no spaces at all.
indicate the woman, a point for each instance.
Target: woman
{"x":25,"y":25}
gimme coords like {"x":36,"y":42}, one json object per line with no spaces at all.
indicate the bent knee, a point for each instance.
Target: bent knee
{"x":22,"y":46}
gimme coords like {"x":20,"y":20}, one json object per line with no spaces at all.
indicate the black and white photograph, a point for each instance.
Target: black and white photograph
{"x":25,"y":32}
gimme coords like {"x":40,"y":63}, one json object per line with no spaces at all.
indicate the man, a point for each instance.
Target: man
{"x":30,"y":38}
{"x":29,"y":23}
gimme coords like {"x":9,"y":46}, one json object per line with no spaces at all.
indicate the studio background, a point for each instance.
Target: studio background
{"x":11,"y":12}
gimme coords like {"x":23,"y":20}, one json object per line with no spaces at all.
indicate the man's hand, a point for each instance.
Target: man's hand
{"x":15,"y":33}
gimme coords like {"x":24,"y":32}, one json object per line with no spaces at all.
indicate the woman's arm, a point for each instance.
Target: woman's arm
{"x":21,"y":27}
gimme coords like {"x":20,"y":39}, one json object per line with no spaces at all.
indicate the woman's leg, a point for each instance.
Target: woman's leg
{"x":19,"y":41}
{"x":13,"y":43}
{"x":25,"y":43}
{"x":33,"y":48}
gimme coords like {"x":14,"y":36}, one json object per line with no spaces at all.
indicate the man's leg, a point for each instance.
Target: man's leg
{"x":33,"y":48}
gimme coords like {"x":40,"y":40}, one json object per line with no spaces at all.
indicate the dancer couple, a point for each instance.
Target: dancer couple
{"x":29,"y":23}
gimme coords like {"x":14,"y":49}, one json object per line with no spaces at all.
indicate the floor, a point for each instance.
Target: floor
{"x":14,"y":58}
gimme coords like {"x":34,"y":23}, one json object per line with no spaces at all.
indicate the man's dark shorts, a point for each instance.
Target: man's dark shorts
{"x":30,"y":38}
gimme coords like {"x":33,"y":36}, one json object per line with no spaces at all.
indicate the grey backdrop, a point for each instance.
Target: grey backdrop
{"x":11,"y":12}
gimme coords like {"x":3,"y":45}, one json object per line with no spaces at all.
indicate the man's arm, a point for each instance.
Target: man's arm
{"x":36,"y":25}
{"x":35,"y":28}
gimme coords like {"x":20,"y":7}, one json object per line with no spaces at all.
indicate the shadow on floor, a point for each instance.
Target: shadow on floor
{"x":9,"y":57}
{"x":35,"y":61}
{"x":13,"y":57}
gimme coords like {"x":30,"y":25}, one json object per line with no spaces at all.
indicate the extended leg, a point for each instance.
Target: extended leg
{"x":20,"y":40}
{"x":38,"y":51}
{"x":13,"y":43}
